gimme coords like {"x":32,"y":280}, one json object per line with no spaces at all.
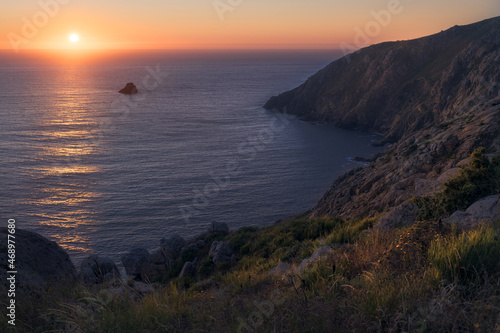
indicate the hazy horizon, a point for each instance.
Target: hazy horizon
{"x":219,"y":24}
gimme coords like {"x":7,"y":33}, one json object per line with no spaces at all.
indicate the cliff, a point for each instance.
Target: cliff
{"x":399,"y":87}
{"x":434,"y":99}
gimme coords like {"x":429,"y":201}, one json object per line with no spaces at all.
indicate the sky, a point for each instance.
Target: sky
{"x":228,"y":24}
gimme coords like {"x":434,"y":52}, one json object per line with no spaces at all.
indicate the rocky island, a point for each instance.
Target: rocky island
{"x":409,"y":242}
{"x":129,"y":89}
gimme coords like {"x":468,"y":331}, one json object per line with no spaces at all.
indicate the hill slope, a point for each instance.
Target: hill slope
{"x":435,"y":100}
{"x":399,"y":87}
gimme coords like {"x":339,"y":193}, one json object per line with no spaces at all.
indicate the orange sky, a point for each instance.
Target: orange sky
{"x":208,"y":24}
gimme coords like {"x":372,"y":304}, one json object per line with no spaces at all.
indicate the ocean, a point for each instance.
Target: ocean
{"x":100,"y":172}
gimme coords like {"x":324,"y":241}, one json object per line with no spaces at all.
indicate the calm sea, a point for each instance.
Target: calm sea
{"x":100,"y":172}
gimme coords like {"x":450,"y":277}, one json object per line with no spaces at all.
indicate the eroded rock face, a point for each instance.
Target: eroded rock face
{"x":38,"y":260}
{"x":129,"y":89}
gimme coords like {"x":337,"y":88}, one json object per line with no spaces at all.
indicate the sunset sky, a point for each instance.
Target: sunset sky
{"x":226,"y":24}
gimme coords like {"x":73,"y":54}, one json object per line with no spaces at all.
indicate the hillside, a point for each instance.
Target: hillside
{"x":434,"y":99}
{"x":397,"y":88}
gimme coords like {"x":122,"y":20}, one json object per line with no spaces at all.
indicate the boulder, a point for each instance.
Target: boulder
{"x":218,"y":227}
{"x":281,"y":270}
{"x":483,"y":210}
{"x":151,"y":271}
{"x":129,"y":89}
{"x":95,"y":269}
{"x":425,"y":187}
{"x":171,"y":248}
{"x":221,"y":252}
{"x":189,"y":269}
{"x":133,"y":261}
{"x":319,"y":255}
{"x":155,"y":267}
{"x":402,"y":215}
{"x":39,"y":261}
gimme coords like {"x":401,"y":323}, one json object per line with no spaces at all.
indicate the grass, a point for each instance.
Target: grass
{"x":422,"y":278}
{"x":466,"y":256}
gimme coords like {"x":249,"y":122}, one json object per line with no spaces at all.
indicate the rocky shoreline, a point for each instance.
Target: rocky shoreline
{"x":41,"y":262}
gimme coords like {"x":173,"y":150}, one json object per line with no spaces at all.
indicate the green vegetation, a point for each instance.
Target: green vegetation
{"x":479,"y":179}
{"x":422,"y":278}
{"x":466,"y":256}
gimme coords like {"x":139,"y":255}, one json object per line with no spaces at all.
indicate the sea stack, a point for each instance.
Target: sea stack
{"x":129,"y":89}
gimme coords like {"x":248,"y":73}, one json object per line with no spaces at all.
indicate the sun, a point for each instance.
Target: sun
{"x":73,"y":38}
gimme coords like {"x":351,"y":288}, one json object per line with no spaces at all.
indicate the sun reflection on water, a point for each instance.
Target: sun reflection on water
{"x":63,"y":169}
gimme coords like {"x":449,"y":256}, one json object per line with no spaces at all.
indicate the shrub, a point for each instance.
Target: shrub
{"x":477,"y":180}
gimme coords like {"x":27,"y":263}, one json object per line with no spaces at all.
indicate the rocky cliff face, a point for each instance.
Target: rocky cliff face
{"x":400,"y":87}
{"x":434,"y":99}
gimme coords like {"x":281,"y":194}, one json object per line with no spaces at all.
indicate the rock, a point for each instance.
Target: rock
{"x":425,"y":187}
{"x":450,"y":173}
{"x":133,"y":261}
{"x":39,"y":261}
{"x":319,"y":255}
{"x":400,"y":216}
{"x":219,"y":227}
{"x":451,"y":142}
{"x":465,"y":162}
{"x":221,"y":252}
{"x":482,"y":211}
{"x":151,"y":272}
{"x":438,"y":149}
{"x":281,"y":270}
{"x":189,"y":269}
{"x":95,"y":269}
{"x":171,"y":248}
{"x":155,"y":267}
{"x":129,"y":89}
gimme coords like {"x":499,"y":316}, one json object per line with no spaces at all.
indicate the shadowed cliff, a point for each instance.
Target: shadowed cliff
{"x":435,"y":100}
{"x":399,"y":87}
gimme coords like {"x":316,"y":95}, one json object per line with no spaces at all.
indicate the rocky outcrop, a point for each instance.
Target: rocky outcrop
{"x":129,"y":89}
{"x":486,"y":210}
{"x":281,"y":270}
{"x":220,"y":252}
{"x":171,"y":248}
{"x":38,"y":260}
{"x":142,"y":265}
{"x":134,"y":261}
{"x":400,"y":216}
{"x":95,"y":269}
{"x":319,"y":255}
{"x":189,"y":269}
